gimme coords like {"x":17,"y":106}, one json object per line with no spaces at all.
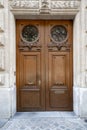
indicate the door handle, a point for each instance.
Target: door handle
{"x":59,"y":83}
{"x":30,"y":83}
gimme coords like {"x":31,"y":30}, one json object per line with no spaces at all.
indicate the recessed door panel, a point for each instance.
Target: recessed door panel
{"x":58,"y":80}
{"x":44,"y":65}
{"x":30,"y":87}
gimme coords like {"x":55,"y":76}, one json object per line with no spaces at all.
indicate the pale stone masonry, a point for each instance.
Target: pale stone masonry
{"x":44,"y":9}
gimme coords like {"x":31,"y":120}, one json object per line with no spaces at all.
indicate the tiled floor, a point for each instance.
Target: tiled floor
{"x":45,"y":121}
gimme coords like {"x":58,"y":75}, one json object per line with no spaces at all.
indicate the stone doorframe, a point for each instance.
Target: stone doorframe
{"x":45,"y":9}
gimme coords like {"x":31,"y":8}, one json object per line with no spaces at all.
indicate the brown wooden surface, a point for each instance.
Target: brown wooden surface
{"x":44,"y":73}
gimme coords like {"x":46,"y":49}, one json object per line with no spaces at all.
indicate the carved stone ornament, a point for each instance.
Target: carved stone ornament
{"x":60,"y":4}
{"x":45,"y":5}
{"x":27,"y":4}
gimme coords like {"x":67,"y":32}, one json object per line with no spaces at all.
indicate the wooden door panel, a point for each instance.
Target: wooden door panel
{"x":30,"y":66}
{"x":58,"y":80}
{"x":59,"y":65}
{"x":31,"y":69}
{"x":30,"y":87}
{"x":59,"y":99}
{"x":30,"y":99}
{"x":58,"y":68}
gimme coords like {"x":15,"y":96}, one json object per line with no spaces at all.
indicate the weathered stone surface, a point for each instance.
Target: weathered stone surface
{"x":2,"y":59}
{"x":2,"y":39}
{"x":1,"y":21}
{"x":1,"y":3}
{"x":2,"y":80}
{"x":83,"y":102}
{"x":7,"y":102}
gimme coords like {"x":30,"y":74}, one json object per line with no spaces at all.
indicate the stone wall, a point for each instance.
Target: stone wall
{"x":7,"y":88}
{"x":60,"y":9}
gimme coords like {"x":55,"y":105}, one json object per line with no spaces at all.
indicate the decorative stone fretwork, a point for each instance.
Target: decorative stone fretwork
{"x":2,"y":21}
{"x":1,"y":3}
{"x":27,"y":4}
{"x":63,"y":4}
{"x":2,"y":79}
{"x":45,"y":4}
{"x":2,"y":59}
{"x":2,"y":40}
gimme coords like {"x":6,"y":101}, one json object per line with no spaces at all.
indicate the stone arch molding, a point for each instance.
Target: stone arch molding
{"x":45,"y":6}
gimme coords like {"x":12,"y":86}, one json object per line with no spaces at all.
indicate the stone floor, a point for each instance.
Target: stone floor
{"x":44,"y":121}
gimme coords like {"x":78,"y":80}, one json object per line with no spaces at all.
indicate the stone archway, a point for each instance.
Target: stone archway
{"x":46,"y":9}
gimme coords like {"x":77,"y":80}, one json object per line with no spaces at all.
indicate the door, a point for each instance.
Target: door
{"x":44,"y":65}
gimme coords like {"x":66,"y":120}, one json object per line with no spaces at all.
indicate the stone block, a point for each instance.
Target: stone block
{"x":86,"y":54}
{"x":1,"y":3}
{"x":7,"y":102}
{"x":2,"y":39}
{"x":86,"y":3}
{"x":2,"y":59}
{"x":86,"y":21}
{"x":76,"y":101}
{"x":2,"y":80}
{"x":2,"y":20}
{"x":83,"y":102}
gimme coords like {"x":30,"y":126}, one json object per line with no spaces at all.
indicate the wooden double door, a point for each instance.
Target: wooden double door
{"x":44,"y":65}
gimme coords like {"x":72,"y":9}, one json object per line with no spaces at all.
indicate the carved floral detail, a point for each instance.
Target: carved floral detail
{"x":26,"y":47}
{"x":59,"y":46}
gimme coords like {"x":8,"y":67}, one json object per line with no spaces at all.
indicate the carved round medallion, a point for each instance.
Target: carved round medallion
{"x":58,"y":33}
{"x":29,"y":33}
